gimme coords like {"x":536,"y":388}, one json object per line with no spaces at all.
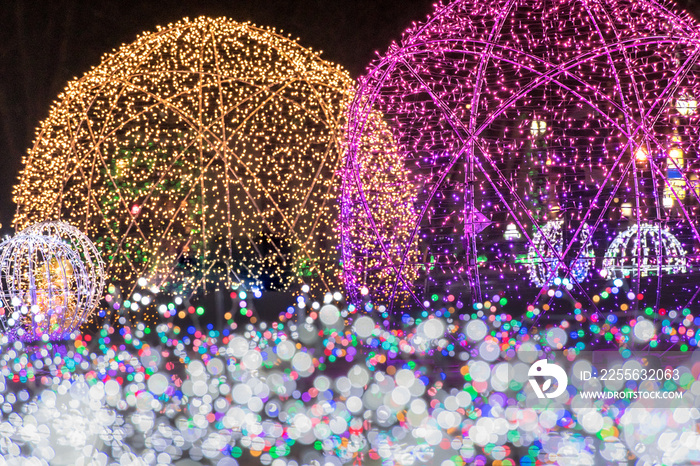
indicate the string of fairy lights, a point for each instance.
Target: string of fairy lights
{"x":201,"y":156}
{"x":537,"y":137}
{"x":505,"y":161}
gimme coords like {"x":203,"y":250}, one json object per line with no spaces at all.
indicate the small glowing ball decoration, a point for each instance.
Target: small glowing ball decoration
{"x":45,"y":289}
{"x":86,"y":250}
{"x":202,"y":155}
{"x":644,"y":249}
{"x":525,"y":136}
{"x":544,"y":256}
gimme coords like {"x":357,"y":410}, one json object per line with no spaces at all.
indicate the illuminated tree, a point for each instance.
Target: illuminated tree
{"x":507,"y":116}
{"x":200,"y":155}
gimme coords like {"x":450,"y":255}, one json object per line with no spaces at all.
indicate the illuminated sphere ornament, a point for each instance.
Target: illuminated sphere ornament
{"x":202,"y":155}
{"x":87,"y":252}
{"x":644,"y":250}
{"x":544,"y":256}
{"x":45,"y":289}
{"x":526,"y":135}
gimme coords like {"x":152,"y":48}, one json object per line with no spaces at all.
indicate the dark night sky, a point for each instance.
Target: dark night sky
{"x":44,"y":44}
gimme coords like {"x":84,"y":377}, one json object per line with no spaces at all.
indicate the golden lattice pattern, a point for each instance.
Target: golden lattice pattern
{"x":202,"y":155}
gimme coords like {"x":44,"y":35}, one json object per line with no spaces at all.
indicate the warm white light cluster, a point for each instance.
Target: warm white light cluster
{"x":199,"y":156}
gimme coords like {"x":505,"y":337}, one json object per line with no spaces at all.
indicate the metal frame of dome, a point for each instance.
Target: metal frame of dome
{"x":202,"y":155}
{"x":519,"y":113}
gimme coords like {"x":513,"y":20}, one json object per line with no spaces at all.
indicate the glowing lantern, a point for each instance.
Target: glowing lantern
{"x":686,"y":104}
{"x":641,"y":155}
{"x":538,"y":128}
{"x":674,"y":189}
{"x":512,"y":232}
{"x":626,"y":209}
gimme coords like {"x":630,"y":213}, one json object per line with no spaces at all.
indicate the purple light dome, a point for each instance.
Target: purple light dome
{"x":500,"y":148}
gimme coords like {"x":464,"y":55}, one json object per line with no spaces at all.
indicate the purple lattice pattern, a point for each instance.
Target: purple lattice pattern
{"x":492,"y":119}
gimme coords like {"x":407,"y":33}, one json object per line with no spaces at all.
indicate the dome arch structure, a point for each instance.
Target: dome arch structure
{"x":200,"y":156}
{"x":513,"y":114}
